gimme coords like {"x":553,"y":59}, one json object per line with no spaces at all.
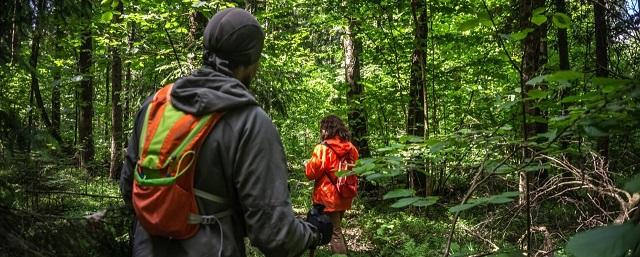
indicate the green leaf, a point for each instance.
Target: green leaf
{"x":105,"y":2}
{"x":437,"y":147}
{"x":462,"y":207}
{"x":538,"y":19}
{"x":509,"y":194}
{"x":342,"y":173}
{"x":428,"y":201}
{"x":520,"y":35}
{"x":633,"y":184}
{"x":469,"y":25}
{"x":537,"y":94}
{"x":374,"y":176}
{"x":106,"y":16}
{"x":538,"y":11}
{"x":594,"y":132}
{"x":500,"y":200}
{"x":198,"y":4}
{"x":115,"y":4}
{"x":564,"y":75}
{"x":401,"y":192}
{"x":609,"y":241}
{"x":561,"y":20}
{"x":404,"y":202}
{"x":536,"y":80}
{"x":486,"y":21}
{"x":571,"y":99}
{"x":506,"y":127}
{"x":610,"y":85}
{"x":549,"y":135}
{"x":536,"y":167}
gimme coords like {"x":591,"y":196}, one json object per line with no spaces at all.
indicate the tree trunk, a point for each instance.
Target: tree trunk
{"x":357,"y":113}
{"x":116,"y":110}
{"x":33,"y":70}
{"x":197,"y":22}
{"x":602,"y":59}
{"x":14,"y":31}
{"x":533,"y":49}
{"x":531,"y":63}
{"x":55,"y":87}
{"x":85,"y":90}
{"x":128,"y":79}
{"x":563,"y":42}
{"x":563,"y":52}
{"x":417,"y":120}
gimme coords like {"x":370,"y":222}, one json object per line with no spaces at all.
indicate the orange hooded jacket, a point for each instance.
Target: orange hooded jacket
{"x":322,"y":162}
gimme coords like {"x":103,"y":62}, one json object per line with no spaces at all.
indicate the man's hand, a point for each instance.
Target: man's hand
{"x":322,"y":223}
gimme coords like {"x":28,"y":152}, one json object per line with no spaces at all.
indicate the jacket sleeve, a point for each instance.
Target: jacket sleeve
{"x":314,"y":168}
{"x":260,"y":175}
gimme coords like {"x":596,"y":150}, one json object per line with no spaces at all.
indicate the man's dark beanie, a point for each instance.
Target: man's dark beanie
{"x":233,"y":35}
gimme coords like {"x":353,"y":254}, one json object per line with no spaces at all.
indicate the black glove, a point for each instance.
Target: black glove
{"x":322,"y":223}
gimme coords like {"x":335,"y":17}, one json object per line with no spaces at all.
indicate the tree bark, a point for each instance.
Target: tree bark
{"x":602,"y":59}
{"x":14,"y":31}
{"x":85,"y":90}
{"x":33,"y":70}
{"x":563,"y":52}
{"x":55,"y":87}
{"x":563,"y":42}
{"x":197,"y":22}
{"x":116,"y":109}
{"x":128,"y":79}
{"x":531,"y":64}
{"x":417,"y":116}
{"x":357,"y":113}
{"x":533,"y":48}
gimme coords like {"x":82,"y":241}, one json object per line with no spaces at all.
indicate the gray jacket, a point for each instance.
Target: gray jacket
{"x":242,"y":160}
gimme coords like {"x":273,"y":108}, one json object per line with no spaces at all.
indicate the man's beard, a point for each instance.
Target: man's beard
{"x":246,"y":81}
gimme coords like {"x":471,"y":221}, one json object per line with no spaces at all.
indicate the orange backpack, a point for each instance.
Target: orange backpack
{"x":347,"y":184}
{"x":163,"y":193}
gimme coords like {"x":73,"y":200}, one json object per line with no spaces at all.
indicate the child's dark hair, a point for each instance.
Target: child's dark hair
{"x":333,"y":126}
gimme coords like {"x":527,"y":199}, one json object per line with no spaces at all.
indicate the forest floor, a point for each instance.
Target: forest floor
{"x":53,"y":204}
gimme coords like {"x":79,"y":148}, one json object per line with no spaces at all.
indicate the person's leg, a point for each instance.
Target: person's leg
{"x":337,"y":238}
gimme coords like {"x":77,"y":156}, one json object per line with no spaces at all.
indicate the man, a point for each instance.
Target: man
{"x":241,"y":160}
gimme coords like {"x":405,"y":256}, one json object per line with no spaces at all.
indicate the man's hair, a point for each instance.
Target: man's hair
{"x":333,"y":126}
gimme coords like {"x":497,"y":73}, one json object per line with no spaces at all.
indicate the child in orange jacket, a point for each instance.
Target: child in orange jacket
{"x":322,"y":167}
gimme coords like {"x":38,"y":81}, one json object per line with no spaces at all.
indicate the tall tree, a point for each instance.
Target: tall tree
{"x":15,"y":34}
{"x":532,"y":59}
{"x":531,"y":64}
{"x":417,"y":114}
{"x":85,"y":90}
{"x":563,"y":42}
{"x":563,"y":52}
{"x":116,"y":109}
{"x":55,"y":86}
{"x":39,"y":13}
{"x":355,"y":96}
{"x":602,"y":59}
{"x":197,"y":23}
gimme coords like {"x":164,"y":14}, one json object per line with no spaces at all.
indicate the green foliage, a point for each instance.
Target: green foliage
{"x":502,"y":198}
{"x":561,"y":20}
{"x":609,"y":241}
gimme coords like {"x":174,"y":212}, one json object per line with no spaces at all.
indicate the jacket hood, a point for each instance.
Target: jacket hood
{"x":208,"y":90}
{"x":339,"y":145}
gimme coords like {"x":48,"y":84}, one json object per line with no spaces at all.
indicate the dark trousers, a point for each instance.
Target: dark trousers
{"x":338,"y":244}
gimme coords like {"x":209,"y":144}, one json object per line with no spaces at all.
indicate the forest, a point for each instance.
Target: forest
{"x":485,"y":127}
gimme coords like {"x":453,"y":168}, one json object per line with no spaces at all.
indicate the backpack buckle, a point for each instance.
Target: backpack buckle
{"x":209,"y":220}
